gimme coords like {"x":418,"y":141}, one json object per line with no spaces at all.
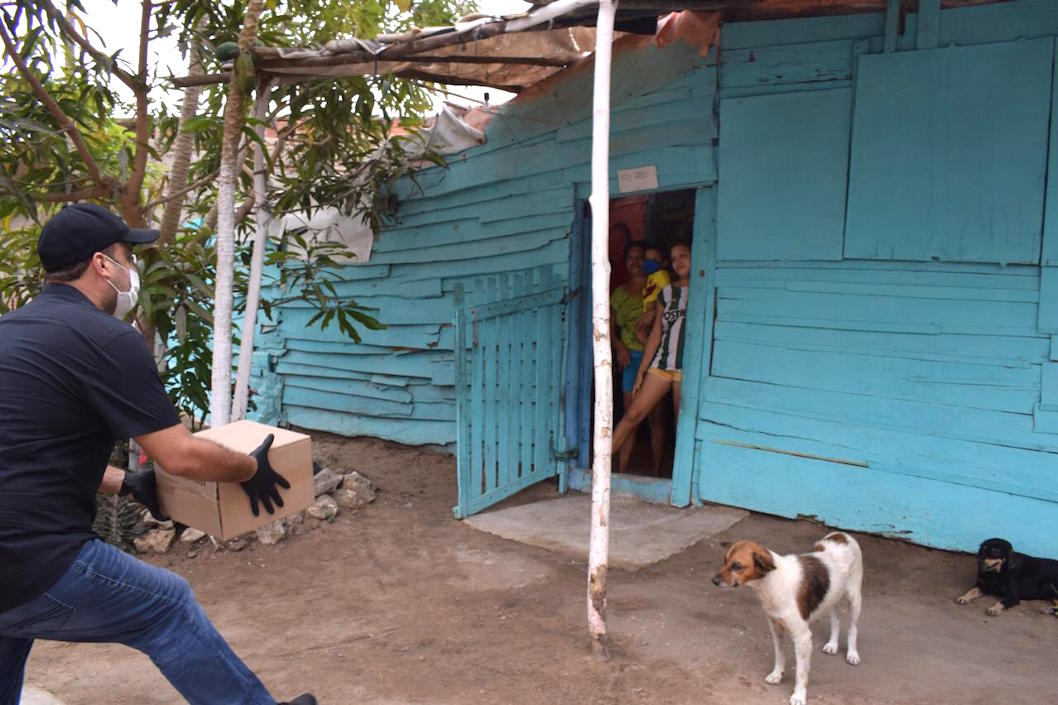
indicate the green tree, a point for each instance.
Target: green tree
{"x":65,"y":136}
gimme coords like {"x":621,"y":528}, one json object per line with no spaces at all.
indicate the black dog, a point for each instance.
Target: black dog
{"x":1013,"y":577}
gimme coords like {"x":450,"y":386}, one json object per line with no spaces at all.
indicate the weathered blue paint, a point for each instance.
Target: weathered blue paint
{"x":925,"y":181}
{"x":897,"y":504}
{"x":892,"y":25}
{"x":805,"y":164}
{"x":644,"y":488}
{"x":928,"y":28}
{"x":502,"y":208}
{"x":508,"y":383}
{"x":463,"y":398}
{"x":898,"y":396}
{"x":697,"y":353}
{"x":894,"y":372}
{"x":577,"y":339}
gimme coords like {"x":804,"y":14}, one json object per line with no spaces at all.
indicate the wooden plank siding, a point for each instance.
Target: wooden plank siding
{"x":901,"y":397}
{"x":501,"y":208}
{"x":912,"y":398}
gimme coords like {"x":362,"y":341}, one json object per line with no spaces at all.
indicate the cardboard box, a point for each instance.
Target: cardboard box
{"x":222,"y":509}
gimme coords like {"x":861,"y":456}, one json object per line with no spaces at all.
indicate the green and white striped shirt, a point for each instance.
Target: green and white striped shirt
{"x":672,"y":303}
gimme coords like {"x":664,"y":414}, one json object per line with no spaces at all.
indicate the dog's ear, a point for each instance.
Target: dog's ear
{"x":1012,"y":562}
{"x":763,"y":562}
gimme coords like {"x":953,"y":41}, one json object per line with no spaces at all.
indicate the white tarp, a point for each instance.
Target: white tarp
{"x":329,"y":225}
{"x":448,"y":134}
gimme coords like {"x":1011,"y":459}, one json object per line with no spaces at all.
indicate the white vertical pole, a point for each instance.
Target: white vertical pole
{"x":262,"y":214}
{"x":227,"y":182}
{"x":220,"y":396}
{"x":600,"y":304}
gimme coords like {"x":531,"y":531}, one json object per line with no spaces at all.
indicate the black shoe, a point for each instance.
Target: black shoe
{"x":303,"y":699}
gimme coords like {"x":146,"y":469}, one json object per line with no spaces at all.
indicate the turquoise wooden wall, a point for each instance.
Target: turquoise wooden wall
{"x":504,"y":207}
{"x":898,"y":380}
{"x":903,"y":381}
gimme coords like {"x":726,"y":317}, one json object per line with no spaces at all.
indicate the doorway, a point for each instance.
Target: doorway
{"x":656,"y":221}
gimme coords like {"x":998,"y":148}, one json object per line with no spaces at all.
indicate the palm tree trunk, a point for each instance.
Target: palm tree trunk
{"x":181,"y":152}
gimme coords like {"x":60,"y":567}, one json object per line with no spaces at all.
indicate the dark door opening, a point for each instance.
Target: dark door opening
{"x":641,"y":226}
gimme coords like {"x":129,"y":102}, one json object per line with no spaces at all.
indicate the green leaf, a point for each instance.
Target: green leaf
{"x":368,"y":322}
{"x":200,"y":123}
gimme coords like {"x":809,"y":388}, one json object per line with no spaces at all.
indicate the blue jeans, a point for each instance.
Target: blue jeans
{"x":109,"y":596}
{"x":628,"y":374}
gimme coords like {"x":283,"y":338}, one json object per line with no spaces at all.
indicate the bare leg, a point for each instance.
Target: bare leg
{"x":831,"y":647}
{"x":778,"y":632}
{"x":624,"y":453}
{"x":676,"y":401}
{"x":658,"y":436}
{"x":653,"y":389}
{"x":803,"y":650}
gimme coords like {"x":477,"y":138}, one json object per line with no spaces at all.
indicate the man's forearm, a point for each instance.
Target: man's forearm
{"x":176,"y":451}
{"x":215,"y":463}
{"x":112,"y":479}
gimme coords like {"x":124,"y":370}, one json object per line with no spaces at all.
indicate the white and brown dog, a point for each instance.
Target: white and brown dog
{"x":796,"y":590}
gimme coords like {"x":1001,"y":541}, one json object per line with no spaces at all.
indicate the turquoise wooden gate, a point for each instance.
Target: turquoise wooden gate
{"x":509,"y":356}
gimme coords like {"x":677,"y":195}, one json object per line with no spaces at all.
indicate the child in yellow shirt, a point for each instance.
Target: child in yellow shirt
{"x":657,"y":279}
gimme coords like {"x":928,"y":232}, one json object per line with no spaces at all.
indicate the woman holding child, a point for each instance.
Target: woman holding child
{"x":660,"y":366}
{"x":626,"y":311}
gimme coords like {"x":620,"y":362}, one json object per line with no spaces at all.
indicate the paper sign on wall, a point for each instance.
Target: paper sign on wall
{"x":643,"y":178}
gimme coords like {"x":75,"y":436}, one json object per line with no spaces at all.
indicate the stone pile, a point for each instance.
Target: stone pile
{"x":335,"y":491}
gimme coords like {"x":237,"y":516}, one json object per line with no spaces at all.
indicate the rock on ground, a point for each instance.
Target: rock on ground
{"x":356,"y":491}
{"x":326,"y":481}
{"x":324,"y":509}
{"x":191,"y":535}
{"x":273,"y":533}
{"x":351,"y":498}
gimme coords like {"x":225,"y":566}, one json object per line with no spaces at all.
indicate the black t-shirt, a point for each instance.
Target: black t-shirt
{"x":73,"y":380}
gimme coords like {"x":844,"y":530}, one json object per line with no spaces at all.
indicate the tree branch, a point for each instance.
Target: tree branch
{"x":134,"y":213}
{"x":73,"y":196}
{"x":182,"y":192}
{"x":181,"y":151}
{"x":102,"y":59}
{"x":196,"y":79}
{"x":63,"y":119}
{"x":244,"y":209}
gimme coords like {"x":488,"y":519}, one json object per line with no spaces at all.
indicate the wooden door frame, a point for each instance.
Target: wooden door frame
{"x":698,"y":349}
{"x":682,"y":489}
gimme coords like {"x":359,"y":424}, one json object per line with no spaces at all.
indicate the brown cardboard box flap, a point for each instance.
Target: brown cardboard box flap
{"x":245,"y":436}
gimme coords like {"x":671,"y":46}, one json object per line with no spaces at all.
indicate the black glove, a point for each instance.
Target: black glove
{"x":262,"y":486}
{"x":144,"y":489}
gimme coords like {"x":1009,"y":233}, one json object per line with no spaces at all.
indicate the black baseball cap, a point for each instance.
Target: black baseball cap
{"x":80,"y":230}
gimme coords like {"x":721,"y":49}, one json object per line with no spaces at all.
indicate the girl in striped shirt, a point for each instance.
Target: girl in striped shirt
{"x":660,"y":369}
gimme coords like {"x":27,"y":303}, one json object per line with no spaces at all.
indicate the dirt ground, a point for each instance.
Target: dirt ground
{"x":399,"y":603}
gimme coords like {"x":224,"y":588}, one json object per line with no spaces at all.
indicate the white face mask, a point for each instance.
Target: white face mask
{"x":126,"y":299}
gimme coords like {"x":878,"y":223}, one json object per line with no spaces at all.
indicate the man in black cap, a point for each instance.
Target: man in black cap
{"x":74,"y":379}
